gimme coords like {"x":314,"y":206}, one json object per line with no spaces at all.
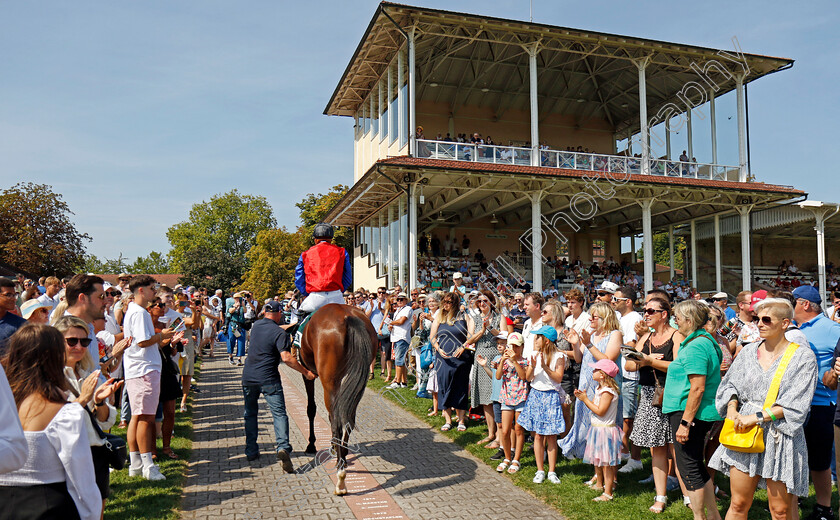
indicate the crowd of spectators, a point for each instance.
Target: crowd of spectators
{"x":602,"y":379}
{"x":78,"y":355}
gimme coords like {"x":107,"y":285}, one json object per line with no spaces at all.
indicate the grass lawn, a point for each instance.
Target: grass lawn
{"x":571,"y":497}
{"x":138,"y":498}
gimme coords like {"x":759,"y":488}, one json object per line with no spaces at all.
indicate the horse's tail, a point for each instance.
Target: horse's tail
{"x":358,"y":347}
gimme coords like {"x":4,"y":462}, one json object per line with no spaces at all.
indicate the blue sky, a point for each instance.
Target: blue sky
{"x":134,"y":111}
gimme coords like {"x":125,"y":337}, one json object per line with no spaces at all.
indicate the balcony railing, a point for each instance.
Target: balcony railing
{"x":517,"y":155}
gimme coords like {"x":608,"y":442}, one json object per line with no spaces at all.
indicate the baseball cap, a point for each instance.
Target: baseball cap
{"x":550,"y":333}
{"x":720,"y":296}
{"x":30,"y":306}
{"x":515,"y":338}
{"x":608,"y":287}
{"x":806,"y":292}
{"x":457,"y":275}
{"x":502,"y":335}
{"x":607,"y":366}
{"x":757,"y":296}
{"x":272,"y":306}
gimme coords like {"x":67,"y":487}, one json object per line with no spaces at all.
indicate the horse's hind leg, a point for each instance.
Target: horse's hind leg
{"x":339,"y":445}
{"x":310,"y":412}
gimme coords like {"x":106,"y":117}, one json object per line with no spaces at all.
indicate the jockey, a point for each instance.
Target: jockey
{"x":323,"y":272}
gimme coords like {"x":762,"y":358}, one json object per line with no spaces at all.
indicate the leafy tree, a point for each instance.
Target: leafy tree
{"x":36,"y":233}
{"x":155,"y":263}
{"x":222,"y":230}
{"x":660,"y":250}
{"x":272,"y":262}
{"x":208,"y":267}
{"x":93,"y":264}
{"x":313,"y":208}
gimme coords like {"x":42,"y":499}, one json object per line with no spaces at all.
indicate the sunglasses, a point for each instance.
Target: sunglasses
{"x":653,"y":311}
{"x":602,"y":293}
{"x":483,"y":300}
{"x":767,"y":320}
{"x":72,"y":342}
{"x":620,"y":299}
{"x":112,"y":293}
{"x":381,"y":292}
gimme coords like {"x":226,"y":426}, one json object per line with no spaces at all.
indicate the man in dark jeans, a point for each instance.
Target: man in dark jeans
{"x":270,"y":345}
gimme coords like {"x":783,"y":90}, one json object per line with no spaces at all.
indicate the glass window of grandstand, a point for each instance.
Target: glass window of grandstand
{"x":393,"y":103}
{"x":562,"y":251}
{"x":383,"y":105}
{"x":374,"y":114}
{"x":599,"y":250}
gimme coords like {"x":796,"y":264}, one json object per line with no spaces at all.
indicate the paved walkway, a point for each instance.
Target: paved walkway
{"x":400,"y":468}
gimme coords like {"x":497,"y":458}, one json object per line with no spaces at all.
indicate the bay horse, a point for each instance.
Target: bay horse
{"x":339,"y":343}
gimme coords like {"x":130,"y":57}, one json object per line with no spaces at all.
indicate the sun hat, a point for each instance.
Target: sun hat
{"x":457,"y":275}
{"x":31,"y":306}
{"x":720,"y":296}
{"x":605,"y":365}
{"x":608,"y":287}
{"x":550,"y":333}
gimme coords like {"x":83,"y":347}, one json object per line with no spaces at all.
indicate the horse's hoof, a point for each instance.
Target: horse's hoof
{"x":340,"y":492}
{"x":310,"y":450}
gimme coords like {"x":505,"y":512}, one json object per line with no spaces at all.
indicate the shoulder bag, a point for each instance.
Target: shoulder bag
{"x":752,"y":440}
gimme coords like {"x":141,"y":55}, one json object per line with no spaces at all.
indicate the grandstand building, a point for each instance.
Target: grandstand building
{"x":581,"y":156}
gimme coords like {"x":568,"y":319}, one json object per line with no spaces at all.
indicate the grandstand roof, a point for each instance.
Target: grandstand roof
{"x":467,"y":59}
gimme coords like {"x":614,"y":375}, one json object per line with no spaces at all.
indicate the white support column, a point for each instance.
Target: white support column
{"x":742,"y":130}
{"x":401,"y":115}
{"x":713,"y":117}
{"x":535,"y":126}
{"x":671,"y":251}
{"x":668,"y":139}
{"x":389,"y":229}
{"x":647,"y":247}
{"x":633,"y":248}
{"x":536,"y":239}
{"x":694,"y":253}
{"x":412,"y":96}
{"x":718,"y":266}
{"x":821,"y":214}
{"x":379,"y":111}
{"x":690,"y":135}
{"x":401,"y":242}
{"x":643,"y":117}
{"x":746,"y":269}
{"x":412,"y":236}
{"x":388,"y":90}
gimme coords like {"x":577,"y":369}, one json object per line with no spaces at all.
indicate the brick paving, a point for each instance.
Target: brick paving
{"x":399,"y":468}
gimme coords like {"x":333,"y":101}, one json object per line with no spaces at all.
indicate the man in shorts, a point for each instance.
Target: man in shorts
{"x":142,"y":366}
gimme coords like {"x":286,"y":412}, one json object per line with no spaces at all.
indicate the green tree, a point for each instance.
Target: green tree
{"x":36,"y":234}
{"x":660,"y":250}
{"x":92,"y":264}
{"x":155,"y":263}
{"x":207,"y":267}
{"x":272,"y":262}
{"x":313,"y":208}
{"x":223,"y":229}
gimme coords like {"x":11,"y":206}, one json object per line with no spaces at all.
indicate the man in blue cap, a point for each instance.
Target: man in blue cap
{"x":823,"y":338}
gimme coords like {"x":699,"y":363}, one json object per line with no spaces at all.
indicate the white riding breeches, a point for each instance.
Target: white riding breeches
{"x":316,"y":300}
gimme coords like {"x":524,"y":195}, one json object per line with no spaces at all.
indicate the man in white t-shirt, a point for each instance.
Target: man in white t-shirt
{"x":142,"y":367}
{"x":400,"y":328}
{"x":623,"y":301}
{"x":86,"y":300}
{"x":578,"y":319}
{"x":533,"y":305}
{"x":50,"y":297}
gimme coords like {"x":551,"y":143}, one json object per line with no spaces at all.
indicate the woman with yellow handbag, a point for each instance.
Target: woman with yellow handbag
{"x":766,"y":396}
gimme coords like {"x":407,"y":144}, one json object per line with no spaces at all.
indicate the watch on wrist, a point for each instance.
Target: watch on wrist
{"x":760,"y":416}
{"x":685,"y":423}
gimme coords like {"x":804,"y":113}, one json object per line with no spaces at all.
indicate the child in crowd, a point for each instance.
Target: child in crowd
{"x":511,"y":370}
{"x":495,"y":394}
{"x":603,"y":442}
{"x":543,"y":412}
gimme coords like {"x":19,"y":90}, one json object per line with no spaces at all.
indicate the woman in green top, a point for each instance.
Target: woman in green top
{"x":689,"y":402}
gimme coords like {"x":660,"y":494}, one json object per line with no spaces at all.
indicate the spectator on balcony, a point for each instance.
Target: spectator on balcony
{"x":465,"y":246}
{"x":448,"y":138}
{"x":435,"y":242}
{"x":424,"y":244}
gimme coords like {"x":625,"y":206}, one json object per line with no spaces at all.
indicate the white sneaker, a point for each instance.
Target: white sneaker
{"x":153,"y":473}
{"x":625,"y":456}
{"x":394,"y":385}
{"x":631,"y":466}
{"x":553,"y":478}
{"x":415,"y":387}
{"x":135,"y":471}
{"x":539,"y":477}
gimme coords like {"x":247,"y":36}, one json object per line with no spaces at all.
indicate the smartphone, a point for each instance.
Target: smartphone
{"x":177,"y":325}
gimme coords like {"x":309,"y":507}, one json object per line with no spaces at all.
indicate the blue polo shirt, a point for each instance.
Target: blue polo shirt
{"x":823,"y":337}
{"x":729,"y":313}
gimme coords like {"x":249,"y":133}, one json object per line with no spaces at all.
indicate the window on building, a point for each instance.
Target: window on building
{"x":562,"y":250}
{"x":599,"y":250}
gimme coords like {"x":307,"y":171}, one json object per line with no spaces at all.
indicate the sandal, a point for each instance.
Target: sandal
{"x":658,"y":499}
{"x":603,"y":497}
{"x":462,"y":427}
{"x":514,"y":467}
{"x":484,"y":441}
{"x":503,"y":466}
{"x":169,"y":453}
{"x":492,"y":446}
{"x":446,"y":427}
{"x":591,"y":482}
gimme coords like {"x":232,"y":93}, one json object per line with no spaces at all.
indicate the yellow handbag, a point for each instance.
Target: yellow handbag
{"x":752,"y":440}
